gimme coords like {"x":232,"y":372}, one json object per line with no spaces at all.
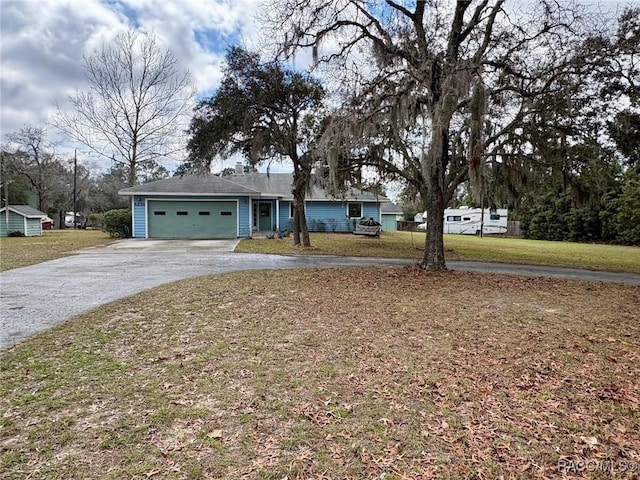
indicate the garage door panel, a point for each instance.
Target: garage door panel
{"x":190,"y":219}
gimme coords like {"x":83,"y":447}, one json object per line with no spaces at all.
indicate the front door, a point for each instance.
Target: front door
{"x":264,"y":217}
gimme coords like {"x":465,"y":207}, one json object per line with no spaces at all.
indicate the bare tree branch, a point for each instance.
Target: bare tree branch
{"x":136,"y":105}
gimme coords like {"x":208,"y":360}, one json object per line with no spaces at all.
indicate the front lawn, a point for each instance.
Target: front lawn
{"x":385,"y":373}
{"x":18,"y":252}
{"x":612,"y":258}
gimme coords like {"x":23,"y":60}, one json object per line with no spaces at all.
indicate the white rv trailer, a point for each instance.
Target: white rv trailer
{"x":465,"y":220}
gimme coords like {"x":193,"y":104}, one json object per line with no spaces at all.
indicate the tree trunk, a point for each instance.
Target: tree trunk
{"x":296,"y":223}
{"x":434,"y":245}
{"x":304,"y":231}
{"x":300,"y":230}
{"x":131,"y":179}
{"x":299,"y":188}
{"x":434,"y":166}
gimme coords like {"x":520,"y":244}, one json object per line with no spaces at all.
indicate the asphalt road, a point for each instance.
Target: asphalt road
{"x":40,"y":296}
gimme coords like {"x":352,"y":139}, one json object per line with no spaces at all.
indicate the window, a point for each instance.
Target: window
{"x":159,"y":213}
{"x":354,"y":210}
{"x":204,"y":213}
{"x":265,"y":209}
{"x":466,"y":219}
{"x":226,"y":214}
{"x":182,"y":212}
{"x":454,"y":218}
{"x":494,"y":216}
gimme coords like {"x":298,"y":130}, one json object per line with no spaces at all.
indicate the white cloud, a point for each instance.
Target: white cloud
{"x":42,"y":44}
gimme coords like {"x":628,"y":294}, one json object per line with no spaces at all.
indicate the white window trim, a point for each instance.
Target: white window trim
{"x":361,"y":209}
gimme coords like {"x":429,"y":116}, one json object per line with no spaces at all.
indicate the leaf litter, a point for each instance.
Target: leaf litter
{"x":339,"y":373}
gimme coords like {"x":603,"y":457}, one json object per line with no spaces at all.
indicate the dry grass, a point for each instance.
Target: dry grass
{"x":18,"y":252}
{"x":335,"y":374}
{"x":612,"y":258}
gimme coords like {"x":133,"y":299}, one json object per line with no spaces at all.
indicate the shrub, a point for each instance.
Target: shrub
{"x":317,"y":225}
{"x":409,"y":211}
{"x":117,"y":223}
{"x":95,"y":220}
{"x":627,"y":219}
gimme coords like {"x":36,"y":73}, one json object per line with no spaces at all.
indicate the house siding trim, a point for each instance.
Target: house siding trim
{"x":133,"y":216}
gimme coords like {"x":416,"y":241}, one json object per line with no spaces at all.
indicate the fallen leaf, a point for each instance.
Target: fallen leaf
{"x":591,"y":441}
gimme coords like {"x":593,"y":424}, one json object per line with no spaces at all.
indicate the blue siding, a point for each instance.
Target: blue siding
{"x":327,"y":217}
{"x":244,"y":229}
{"x":285,"y":220}
{"x":321,"y":216}
{"x":332,"y":216}
{"x":16,"y":223}
{"x":389,"y":222}
{"x":372,"y":210}
{"x":139,"y":217}
{"x":34,"y":227}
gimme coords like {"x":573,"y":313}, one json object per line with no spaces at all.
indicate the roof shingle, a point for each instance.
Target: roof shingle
{"x":25,"y":211}
{"x":255,"y":184}
{"x":190,"y":185}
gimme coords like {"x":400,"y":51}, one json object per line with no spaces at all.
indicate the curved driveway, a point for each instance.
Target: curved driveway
{"x":40,"y":296}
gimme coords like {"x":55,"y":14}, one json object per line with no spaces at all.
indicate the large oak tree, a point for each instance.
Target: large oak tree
{"x":264,"y":112}
{"x":436,"y":87}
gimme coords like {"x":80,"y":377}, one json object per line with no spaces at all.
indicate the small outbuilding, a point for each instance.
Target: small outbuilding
{"x":22,"y":218}
{"x":390,"y":214}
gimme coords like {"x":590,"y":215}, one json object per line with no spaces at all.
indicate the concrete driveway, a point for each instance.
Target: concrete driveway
{"x":40,"y":296}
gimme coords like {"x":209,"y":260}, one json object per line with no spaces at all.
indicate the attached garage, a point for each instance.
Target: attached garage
{"x":236,"y":206}
{"x":192,"y":219}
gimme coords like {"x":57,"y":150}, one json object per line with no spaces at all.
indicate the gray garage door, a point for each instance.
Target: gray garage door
{"x":173,"y":219}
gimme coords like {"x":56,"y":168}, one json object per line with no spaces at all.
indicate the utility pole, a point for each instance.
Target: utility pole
{"x":482,"y":206}
{"x":6,"y":193}
{"x":75,"y":171}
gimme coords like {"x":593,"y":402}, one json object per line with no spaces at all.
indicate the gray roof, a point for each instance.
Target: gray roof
{"x":190,"y":185}
{"x":25,"y":211}
{"x":279,"y":185}
{"x":255,"y":184}
{"x":390,"y":208}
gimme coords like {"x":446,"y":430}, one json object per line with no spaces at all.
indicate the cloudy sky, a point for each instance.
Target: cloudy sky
{"x":42,"y":43}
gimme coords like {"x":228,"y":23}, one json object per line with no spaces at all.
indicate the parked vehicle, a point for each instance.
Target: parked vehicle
{"x":467,"y":221}
{"x":69,"y":223}
{"x":47,"y":223}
